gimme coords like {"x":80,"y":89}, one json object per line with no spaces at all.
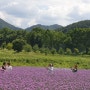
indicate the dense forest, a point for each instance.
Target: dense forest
{"x":75,"y":41}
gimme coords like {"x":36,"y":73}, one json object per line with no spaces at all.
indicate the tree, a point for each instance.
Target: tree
{"x":18,"y":44}
{"x":80,"y":39}
{"x":35,"y":37}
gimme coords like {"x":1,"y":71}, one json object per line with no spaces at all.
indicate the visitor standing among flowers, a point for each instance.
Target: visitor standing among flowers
{"x":74,"y":69}
{"x":3,"y":67}
{"x":50,"y":67}
{"x":8,"y":67}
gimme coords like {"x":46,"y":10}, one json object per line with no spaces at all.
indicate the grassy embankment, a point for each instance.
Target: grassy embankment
{"x":42,"y":60}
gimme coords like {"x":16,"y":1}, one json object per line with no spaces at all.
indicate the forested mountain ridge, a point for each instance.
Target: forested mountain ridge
{"x":51,"y":27}
{"x":75,"y":41}
{"x":80,"y":24}
{"x":4,"y":24}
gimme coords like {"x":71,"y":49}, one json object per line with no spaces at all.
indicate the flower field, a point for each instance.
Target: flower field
{"x":32,"y":78}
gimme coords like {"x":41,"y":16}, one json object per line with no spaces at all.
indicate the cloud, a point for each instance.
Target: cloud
{"x":86,"y":1}
{"x":80,"y":12}
{"x":2,"y":15}
{"x":8,"y":5}
{"x":47,"y":12}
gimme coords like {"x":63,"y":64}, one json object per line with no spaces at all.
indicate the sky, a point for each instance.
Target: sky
{"x":25,"y":13}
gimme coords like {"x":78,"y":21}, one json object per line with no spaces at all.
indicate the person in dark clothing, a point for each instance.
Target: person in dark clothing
{"x":74,"y":69}
{"x":3,"y":66}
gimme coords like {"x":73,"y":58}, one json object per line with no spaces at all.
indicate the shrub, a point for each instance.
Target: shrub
{"x":42,"y":50}
{"x":61,"y":51}
{"x":9,"y":46}
{"x":47,"y":51}
{"x":35,"y":48}
{"x":3,"y":45}
{"x":27,"y":48}
{"x":68,"y":51}
{"x":76,"y":51}
{"x":53,"y":51}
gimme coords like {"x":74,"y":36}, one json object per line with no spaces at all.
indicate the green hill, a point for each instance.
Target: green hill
{"x":80,"y":24}
{"x":51,"y":27}
{"x":4,"y":24}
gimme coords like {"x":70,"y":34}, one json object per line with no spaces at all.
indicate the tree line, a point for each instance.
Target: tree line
{"x":75,"y":41}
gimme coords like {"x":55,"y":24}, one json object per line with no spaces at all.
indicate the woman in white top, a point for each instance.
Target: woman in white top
{"x":50,"y":67}
{"x":9,"y":67}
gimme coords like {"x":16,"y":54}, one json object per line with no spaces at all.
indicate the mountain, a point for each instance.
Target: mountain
{"x":51,"y":27}
{"x":80,"y":24}
{"x":4,"y":24}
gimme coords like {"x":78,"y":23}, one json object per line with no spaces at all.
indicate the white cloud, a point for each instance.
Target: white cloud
{"x":2,"y":15}
{"x":33,"y":22}
{"x":30,"y":12}
{"x":8,"y":5}
{"x":17,"y":22}
{"x":86,"y":1}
